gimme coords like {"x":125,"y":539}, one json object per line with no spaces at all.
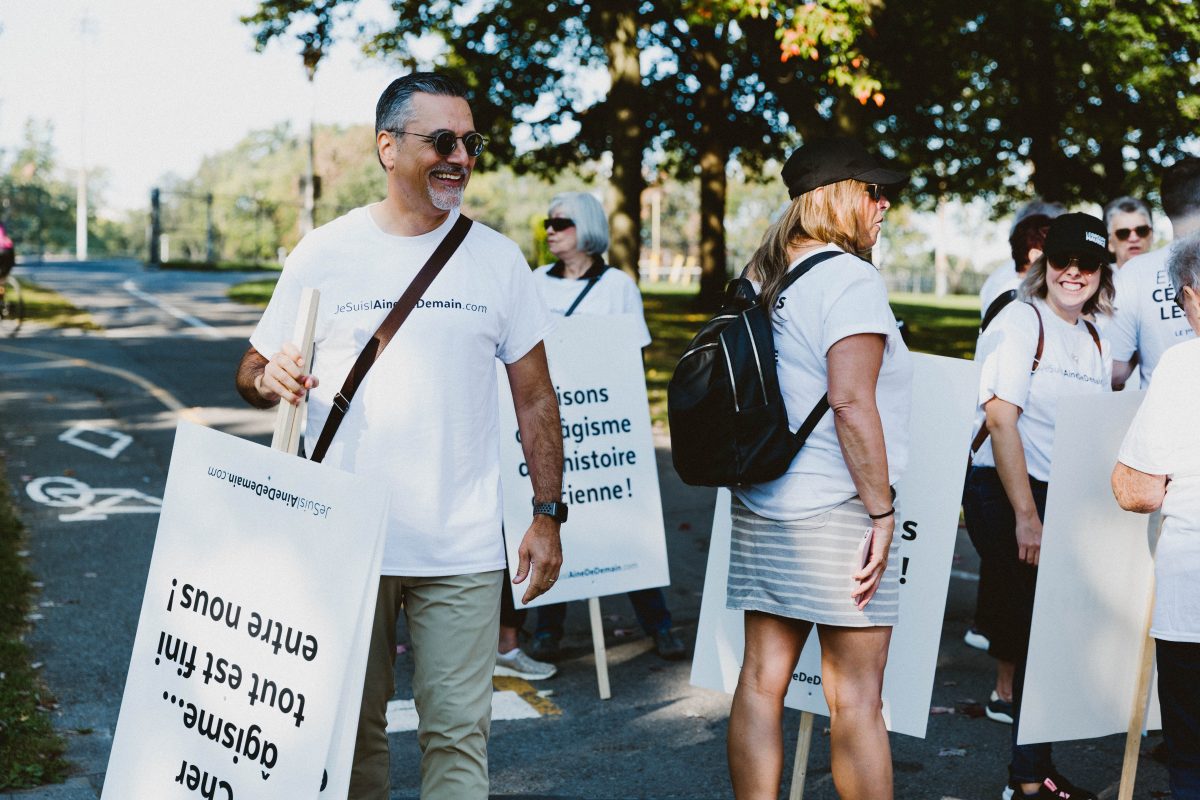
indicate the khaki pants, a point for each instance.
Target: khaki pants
{"x":453,"y":623}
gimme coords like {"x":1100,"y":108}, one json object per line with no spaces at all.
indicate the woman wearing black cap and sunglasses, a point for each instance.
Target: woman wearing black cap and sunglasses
{"x":798,"y":555}
{"x":1033,"y":353}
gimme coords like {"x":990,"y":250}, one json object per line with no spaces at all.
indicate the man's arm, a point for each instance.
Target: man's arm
{"x":263,"y":383}
{"x":541,"y":439}
{"x":1120,"y":374}
{"x":1138,"y":491}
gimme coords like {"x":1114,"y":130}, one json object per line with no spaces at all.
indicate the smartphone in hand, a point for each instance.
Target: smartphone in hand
{"x":864,"y":548}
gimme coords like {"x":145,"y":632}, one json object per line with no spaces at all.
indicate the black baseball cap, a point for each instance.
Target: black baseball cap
{"x":824,"y":161}
{"x":1078,"y":235}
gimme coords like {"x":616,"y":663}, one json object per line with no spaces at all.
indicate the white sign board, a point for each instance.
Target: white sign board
{"x":613,"y":540}
{"x":1095,"y":584}
{"x":927,"y":503}
{"x":252,"y":640}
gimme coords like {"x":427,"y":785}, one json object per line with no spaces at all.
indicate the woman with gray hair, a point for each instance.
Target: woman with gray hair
{"x":1159,"y":467}
{"x":580,"y":282}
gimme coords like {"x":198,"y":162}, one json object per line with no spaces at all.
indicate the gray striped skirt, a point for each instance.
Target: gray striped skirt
{"x":802,"y":569}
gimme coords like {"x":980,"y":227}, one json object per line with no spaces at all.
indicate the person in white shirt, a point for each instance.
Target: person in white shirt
{"x":1130,"y":228}
{"x":798,"y":555}
{"x":1159,"y":467}
{"x":426,"y":420}
{"x":1034,"y":355}
{"x":1147,"y":320}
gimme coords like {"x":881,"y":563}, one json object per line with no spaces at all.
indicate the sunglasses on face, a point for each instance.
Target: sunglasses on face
{"x":445,"y":141}
{"x":1086,"y":265}
{"x":559,"y":224}
{"x":1141,"y":230}
{"x":877,"y":191}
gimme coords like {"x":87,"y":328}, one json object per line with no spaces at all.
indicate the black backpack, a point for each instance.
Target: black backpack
{"x":728,"y":423}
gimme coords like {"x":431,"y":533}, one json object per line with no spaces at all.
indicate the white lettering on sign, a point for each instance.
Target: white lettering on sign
{"x":93,"y":504}
{"x":96,"y":439}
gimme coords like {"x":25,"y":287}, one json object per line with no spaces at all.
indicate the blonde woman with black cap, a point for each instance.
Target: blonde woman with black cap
{"x":799,"y":557}
{"x":1033,"y":353}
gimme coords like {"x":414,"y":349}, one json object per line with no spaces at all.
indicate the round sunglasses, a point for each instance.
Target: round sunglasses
{"x":559,"y":224}
{"x":445,"y":141}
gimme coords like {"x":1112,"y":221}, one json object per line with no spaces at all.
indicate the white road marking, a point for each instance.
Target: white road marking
{"x":59,"y":491}
{"x":963,"y":575}
{"x":402,"y":714}
{"x":83,"y":434}
{"x":205,"y":328}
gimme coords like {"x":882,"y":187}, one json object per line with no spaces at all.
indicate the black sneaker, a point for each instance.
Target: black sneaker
{"x":544,"y":647}
{"x":669,"y":646}
{"x":998,"y":710}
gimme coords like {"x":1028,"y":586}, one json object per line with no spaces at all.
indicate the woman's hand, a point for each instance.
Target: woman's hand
{"x":1029,"y":538}
{"x":869,"y":577}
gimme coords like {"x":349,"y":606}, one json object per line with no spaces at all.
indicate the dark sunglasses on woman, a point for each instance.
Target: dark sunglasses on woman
{"x":445,"y":141}
{"x":1085,"y":264}
{"x":559,"y":224}
{"x":1141,"y":230}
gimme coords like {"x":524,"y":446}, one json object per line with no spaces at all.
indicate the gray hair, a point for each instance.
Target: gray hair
{"x":394,"y":109}
{"x":1183,"y":264}
{"x":591,"y":225}
{"x":1039,"y":207}
{"x":1126,"y":205}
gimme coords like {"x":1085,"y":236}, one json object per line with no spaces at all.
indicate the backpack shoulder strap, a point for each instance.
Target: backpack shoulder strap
{"x":982,"y":435}
{"x":1095,"y":334}
{"x":804,"y":266}
{"x":995,"y":307}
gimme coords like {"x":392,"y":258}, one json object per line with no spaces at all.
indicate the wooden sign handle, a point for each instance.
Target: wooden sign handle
{"x":288,"y":417}
{"x":1141,"y":695}
{"x":803,"y":745}
{"x":598,"y":647}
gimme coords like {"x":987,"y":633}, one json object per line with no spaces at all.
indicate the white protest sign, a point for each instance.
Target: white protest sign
{"x":928,"y":498}
{"x":255,"y":600}
{"x":1094,"y":584}
{"x":613,"y":540}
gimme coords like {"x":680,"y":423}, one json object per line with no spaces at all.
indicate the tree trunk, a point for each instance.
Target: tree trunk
{"x":620,"y":25}
{"x":713,"y":109}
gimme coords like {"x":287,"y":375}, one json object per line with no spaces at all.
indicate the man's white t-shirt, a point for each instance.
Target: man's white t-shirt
{"x":838,"y":298}
{"x":613,"y":293}
{"x":1146,"y":320}
{"x":1165,"y":440}
{"x":997,"y":284}
{"x":425,"y":418}
{"x":1071,"y":365}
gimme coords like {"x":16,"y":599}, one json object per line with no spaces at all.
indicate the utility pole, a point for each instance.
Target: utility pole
{"x":312,"y":56}
{"x":87,"y":27}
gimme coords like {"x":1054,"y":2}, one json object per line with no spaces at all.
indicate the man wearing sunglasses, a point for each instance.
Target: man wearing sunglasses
{"x":425,"y":421}
{"x":1147,"y":320}
{"x":1130,"y":228}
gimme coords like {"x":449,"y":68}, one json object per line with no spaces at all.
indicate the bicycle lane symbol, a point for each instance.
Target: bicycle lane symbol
{"x":92,"y":504}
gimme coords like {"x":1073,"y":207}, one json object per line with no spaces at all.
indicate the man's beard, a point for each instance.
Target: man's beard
{"x":448,"y":199}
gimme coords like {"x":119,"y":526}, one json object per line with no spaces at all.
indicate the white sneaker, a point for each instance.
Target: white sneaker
{"x":977,"y":639}
{"x":518,"y":665}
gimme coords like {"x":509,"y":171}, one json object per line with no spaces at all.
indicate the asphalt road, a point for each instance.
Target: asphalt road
{"x":86,"y":426}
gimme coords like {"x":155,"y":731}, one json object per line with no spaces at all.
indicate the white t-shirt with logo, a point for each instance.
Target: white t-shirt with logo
{"x":1071,"y":365}
{"x":425,"y":418}
{"x":841,"y":297}
{"x":1146,"y":320}
{"x":997,"y":284}
{"x":615,"y":292}
{"x":1164,"y":440}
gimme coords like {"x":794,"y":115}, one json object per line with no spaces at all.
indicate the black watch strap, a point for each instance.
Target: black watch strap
{"x":553,"y":509}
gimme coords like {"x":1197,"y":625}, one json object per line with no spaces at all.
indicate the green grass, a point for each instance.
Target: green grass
{"x":31,"y":753}
{"x":51,"y":308}
{"x":254,"y":293}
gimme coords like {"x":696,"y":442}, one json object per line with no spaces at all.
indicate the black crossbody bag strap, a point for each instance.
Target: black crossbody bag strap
{"x":387,"y":329}
{"x":590,"y":283}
